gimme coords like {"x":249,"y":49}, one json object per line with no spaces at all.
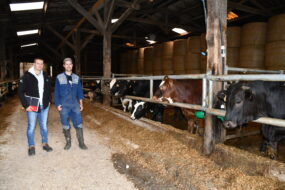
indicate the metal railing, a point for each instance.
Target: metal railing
{"x":247,"y":70}
{"x":207,"y":90}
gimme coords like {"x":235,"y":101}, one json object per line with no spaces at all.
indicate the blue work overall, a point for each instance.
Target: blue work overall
{"x":67,"y":94}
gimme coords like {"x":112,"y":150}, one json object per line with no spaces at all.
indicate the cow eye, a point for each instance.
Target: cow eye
{"x":238,"y":101}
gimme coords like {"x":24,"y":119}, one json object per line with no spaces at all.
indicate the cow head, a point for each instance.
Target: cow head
{"x":119,"y":87}
{"x":242,"y":105}
{"x":139,"y":110}
{"x":166,"y":90}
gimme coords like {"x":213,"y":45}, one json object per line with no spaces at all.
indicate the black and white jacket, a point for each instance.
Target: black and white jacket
{"x":28,"y":85}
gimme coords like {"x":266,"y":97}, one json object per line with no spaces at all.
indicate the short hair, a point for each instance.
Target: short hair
{"x":40,"y":58}
{"x":67,"y":59}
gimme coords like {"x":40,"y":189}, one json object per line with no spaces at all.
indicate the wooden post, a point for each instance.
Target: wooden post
{"x":216,"y":27}
{"x":2,"y":52}
{"x":106,"y":65}
{"x":11,"y":63}
{"x":77,"y":54}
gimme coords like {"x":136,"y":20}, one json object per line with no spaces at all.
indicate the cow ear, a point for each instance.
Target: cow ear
{"x":222,"y":95}
{"x":249,"y":95}
{"x":170,"y":82}
{"x":165,"y":78}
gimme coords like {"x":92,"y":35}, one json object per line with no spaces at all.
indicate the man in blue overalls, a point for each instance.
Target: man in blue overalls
{"x":68,"y":96}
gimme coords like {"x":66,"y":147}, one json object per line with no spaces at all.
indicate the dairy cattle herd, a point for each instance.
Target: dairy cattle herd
{"x":243,"y":102}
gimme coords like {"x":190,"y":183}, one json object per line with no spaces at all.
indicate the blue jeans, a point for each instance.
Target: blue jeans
{"x":32,"y":121}
{"x":71,"y":111}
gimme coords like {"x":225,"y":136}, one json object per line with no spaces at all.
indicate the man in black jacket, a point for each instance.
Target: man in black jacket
{"x":36,"y":84}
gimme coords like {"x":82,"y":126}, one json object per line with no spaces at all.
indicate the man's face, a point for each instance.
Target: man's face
{"x":39,"y":64}
{"x":68,"y":66}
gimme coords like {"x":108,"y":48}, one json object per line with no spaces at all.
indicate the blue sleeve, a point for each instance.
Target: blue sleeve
{"x":57,"y":100}
{"x":80,"y":91}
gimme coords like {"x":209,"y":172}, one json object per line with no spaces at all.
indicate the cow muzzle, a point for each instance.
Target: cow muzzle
{"x":230,"y":124}
{"x":133,"y":117}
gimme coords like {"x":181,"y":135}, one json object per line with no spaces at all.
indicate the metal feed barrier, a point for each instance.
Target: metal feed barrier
{"x":4,"y":87}
{"x":207,"y":94}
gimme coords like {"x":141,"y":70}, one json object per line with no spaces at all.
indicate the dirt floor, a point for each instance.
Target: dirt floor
{"x":74,"y":169}
{"x":147,"y":156}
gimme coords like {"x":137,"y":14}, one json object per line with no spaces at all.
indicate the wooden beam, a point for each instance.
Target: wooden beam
{"x":247,"y":9}
{"x":87,"y":40}
{"x":109,"y":15}
{"x":257,"y":4}
{"x":124,"y":16}
{"x":98,"y":17}
{"x":51,"y":49}
{"x":86,"y":14}
{"x":158,"y":23}
{"x":60,"y":37}
{"x":121,"y":3}
{"x":91,"y":11}
{"x":113,"y":35}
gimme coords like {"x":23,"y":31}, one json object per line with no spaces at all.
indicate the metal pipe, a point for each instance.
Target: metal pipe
{"x":204,"y":93}
{"x":210,"y":94}
{"x":264,"y":120}
{"x":160,"y":77}
{"x":150,"y":88}
{"x":268,"y":77}
{"x":181,"y":105}
{"x":253,"y":70}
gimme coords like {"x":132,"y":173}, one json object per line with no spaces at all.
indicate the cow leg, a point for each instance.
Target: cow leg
{"x":130,"y":106}
{"x":269,"y":135}
{"x":123,"y":104}
{"x":263,"y":145}
{"x":272,"y":150}
{"x":190,"y":126}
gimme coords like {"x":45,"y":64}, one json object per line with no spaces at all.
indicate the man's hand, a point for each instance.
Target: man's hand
{"x":81,"y":106}
{"x":59,"y":108}
{"x":28,"y":109}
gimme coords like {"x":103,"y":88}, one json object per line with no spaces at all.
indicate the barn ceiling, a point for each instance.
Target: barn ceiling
{"x":140,"y":19}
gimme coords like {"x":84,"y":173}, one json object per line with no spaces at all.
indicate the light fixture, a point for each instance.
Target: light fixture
{"x":27,"y":32}
{"x":179,"y":31}
{"x":114,"y":20}
{"x":231,"y":15}
{"x":26,"y":6}
{"x":129,"y":44}
{"x":45,"y":7}
{"x":28,"y":45}
{"x":151,"y":41}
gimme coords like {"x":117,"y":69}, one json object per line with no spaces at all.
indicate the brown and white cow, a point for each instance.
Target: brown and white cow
{"x":182,"y":91}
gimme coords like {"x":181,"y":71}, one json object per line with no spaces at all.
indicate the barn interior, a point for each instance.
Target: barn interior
{"x":65,"y":30}
{"x":144,"y":38}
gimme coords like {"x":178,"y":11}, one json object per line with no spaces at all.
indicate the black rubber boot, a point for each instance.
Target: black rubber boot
{"x":67,"y":138}
{"x":79,"y":134}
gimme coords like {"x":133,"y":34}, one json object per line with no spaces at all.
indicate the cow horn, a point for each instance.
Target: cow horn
{"x":245,"y":87}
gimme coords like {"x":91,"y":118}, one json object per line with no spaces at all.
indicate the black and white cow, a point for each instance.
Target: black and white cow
{"x":141,"y":89}
{"x":141,"y":108}
{"x":94,"y":90}
{"x":121,"y":88}
{"x":250,"y":101}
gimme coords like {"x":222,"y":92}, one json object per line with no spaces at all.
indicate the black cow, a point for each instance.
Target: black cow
{"x":250,"y":101}
{"x":141,"y":89}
